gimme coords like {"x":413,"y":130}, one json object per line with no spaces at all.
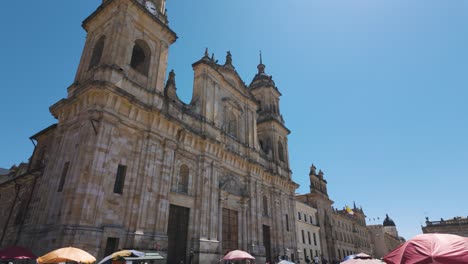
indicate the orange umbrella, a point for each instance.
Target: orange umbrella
{"x":68,"y":254}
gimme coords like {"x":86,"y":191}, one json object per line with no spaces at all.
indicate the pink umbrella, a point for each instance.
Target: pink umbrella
{"x":16,"y":252}
{"x":431,"y":249}
{"x":237,"y":255}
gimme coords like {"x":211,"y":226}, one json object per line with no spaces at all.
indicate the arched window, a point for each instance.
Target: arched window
{"x":182,"y":186}
{"x":265,"y":206}
{"x":21,"y":212}
{"x":267,"y":145}
{"x":97,"y":52}
{"x":231,"y":123}
{"x":141,"y":55}
{"x":280,"y":151}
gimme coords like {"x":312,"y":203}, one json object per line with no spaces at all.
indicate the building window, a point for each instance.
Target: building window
{"x":266,"y":145}
{"x":183,"y":184}
{"x":120,"y":179}
{"x":311,"y":253}
{"x":308,"y":235}
{"x":64,"y":175}
{"x":312,"y":222}
{"x":112,"y":245}
{"x":303,"y":237}
{"x":265,"y":206}
{"x":315,"y":239}
{"x":287,"y":222}
{"x":305,"y":254}
{"x":230,"y":230}
{"x":97,"y":52}
{"x":299,"y":215}
{"x":280,"y":151}
{"x":21,"y":212}
{"x":141,"y":55}
{"x":231,"y":123}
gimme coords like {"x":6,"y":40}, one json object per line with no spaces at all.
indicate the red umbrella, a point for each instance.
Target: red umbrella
{"x":237,"y":255}
{"x":16,"y":252}
{"x":430,"y":249}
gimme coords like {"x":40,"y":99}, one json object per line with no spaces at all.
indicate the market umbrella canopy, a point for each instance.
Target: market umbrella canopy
{"x":359,"y":256}
{"x":349,"y":257}
{"x":363,"y":261}
{"x":68,"y":254}
{"x":16,"y":252}
{"x":362,"y":256}
{"x":237,"y":255}
{"x":122,"y":254}
{"x":430,"y":249}
{"x":285,"y":262}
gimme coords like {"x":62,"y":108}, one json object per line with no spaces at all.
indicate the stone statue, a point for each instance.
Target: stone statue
{"x":228,"y":59}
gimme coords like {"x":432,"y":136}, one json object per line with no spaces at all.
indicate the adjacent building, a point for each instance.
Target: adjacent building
{"x":456,"y":226}
{"x":129,"y":165}
{"x":384,"y":237}
{"x":342,"y":232}
{"x":350,"y":234}
{"x":308,"y":232}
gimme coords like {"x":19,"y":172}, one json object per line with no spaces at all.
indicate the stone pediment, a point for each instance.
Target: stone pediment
{"x":229,"y":75}
{"x":233,"y":79}
{"x":232,"y":185}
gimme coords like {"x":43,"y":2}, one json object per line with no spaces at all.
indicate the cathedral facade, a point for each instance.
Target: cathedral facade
{"x":129,"y":165}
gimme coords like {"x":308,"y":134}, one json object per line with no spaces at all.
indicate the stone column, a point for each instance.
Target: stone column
{"x":214,"y":203}
{"x":149,"y":191}
{"x":204,"y":200}
{"x":244,"y":223}
{"x":259,"y":215}
{"x":164,"y":187}
{"x":253,"y":225}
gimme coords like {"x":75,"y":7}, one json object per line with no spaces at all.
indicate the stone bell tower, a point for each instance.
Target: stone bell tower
{"x":272,"y":132}
{"x":102,"y":129}
{"x":127,"y":45}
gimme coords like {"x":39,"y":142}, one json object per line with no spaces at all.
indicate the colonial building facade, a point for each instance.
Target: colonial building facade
{"x":308,"y":232}
{"x":455,"y":226}
{"x":342,"y":232}
{"x":129,"y":165}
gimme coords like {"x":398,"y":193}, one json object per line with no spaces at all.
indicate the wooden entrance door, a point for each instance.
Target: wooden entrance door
{"x":177,"y":234}
{"x":267,"y":242}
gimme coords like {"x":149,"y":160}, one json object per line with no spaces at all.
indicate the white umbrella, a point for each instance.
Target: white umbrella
{"x":115,"y":255}
{"x":285,"y":262}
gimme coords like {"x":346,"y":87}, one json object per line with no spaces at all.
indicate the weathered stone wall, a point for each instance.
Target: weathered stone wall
{"x":114,"y":117}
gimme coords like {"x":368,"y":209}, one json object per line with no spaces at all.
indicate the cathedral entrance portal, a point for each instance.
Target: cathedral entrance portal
{"x":267,"y":243}
{"x":177,"y":234}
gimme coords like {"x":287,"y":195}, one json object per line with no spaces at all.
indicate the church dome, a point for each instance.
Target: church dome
{"x":388,"y":221}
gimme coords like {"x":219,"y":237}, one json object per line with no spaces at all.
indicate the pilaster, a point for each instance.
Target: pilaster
{"x":164,"y":183}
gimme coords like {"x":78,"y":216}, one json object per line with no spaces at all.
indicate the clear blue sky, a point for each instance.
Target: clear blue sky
{"x":374,"y":91}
